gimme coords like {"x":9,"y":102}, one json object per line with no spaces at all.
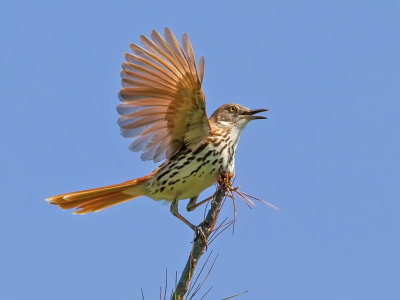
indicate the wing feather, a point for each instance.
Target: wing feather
{"x":201,"y":69}
{"x":131,"y":75}
{"x":187,"y":47}
{"x":146,"y":59}
{"x":148,"y":69}
{"x":128,"y":108}
{"x":138,"y":122}
{"x":158,"y":50}
{"x":155,"y":61}
{"x":163,"y":106}
{"x":161,"y":43}
{"x":174,"y":44}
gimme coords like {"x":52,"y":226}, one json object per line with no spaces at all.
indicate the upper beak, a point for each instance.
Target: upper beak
{"x":250,"y":114}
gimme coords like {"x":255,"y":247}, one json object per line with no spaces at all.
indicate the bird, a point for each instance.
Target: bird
{"x":163,"y":111}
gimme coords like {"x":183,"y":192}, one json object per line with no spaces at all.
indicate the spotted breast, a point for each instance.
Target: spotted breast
{"x":189,"y":172}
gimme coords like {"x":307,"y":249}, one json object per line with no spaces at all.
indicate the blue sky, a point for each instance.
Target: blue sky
{"x":328,"y":155}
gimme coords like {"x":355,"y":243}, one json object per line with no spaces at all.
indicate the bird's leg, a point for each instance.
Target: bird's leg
{"x":193,"y":205}
{"x":196,"y":229}
{"x":175,"y":212}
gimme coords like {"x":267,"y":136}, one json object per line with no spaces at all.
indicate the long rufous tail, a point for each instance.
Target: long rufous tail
{"x":97,"y":199}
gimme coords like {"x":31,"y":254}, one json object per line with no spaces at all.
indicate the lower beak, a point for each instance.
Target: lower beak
{"x":251,"y":114}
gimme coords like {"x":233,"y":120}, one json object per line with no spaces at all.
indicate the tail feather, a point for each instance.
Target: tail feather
{"x":100,"y":198}
{"x":103,"y":202}
{"x":91,"y":193}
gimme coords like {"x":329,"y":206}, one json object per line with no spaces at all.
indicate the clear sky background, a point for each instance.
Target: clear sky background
{"x":328,"y":156}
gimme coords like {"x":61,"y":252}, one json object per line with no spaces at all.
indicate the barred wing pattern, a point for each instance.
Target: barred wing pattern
{"x":163,"y":106}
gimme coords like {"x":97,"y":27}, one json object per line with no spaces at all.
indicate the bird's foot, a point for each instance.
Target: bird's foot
{"x":225,"y":179}
{"x":199,"y":232}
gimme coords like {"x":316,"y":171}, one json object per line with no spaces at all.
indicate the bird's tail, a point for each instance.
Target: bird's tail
{"x":97,"y":199}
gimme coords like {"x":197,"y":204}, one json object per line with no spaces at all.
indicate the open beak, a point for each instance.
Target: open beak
{"x":251,"y":114}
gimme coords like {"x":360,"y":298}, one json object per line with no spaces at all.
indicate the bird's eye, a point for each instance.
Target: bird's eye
{"x":232,"y":109}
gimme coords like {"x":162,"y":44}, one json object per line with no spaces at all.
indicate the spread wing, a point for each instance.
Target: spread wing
{"x":163,"y":106}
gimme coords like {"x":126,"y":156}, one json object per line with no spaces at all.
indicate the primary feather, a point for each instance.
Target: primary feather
{"x":163,"y":105}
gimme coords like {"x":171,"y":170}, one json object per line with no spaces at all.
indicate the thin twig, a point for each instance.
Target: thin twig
{"x":226,"y":226}
{"x":205,"y":278}
{"x":206,"y":292}
{"x":230,"y":297}
{"x":166,"y":284}
{"x":217,"y":230}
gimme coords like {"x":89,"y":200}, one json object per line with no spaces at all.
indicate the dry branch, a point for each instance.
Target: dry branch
{"x":200,"y":240}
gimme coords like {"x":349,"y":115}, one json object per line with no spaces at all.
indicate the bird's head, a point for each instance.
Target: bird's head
{"x":235,"y":115}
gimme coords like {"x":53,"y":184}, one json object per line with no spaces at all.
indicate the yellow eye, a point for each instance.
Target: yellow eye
{"x":232,"y":109}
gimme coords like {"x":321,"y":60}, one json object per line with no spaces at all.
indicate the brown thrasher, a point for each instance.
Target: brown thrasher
{"x":163,"y":109}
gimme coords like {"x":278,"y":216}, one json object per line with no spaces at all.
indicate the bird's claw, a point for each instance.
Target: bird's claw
{"x":200,"y":233}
